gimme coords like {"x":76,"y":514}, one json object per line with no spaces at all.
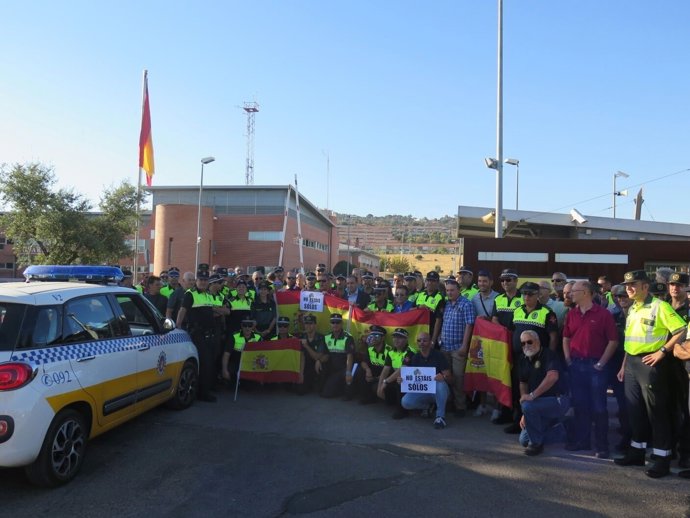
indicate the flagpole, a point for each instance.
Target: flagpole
{"x":135,"y":262}
{"x":285,"y":220}
{"x":239,"y":368}
{"x":299,"y":229}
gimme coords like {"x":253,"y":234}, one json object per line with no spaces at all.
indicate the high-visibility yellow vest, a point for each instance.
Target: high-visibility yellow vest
{"x":336,"y":345}
{"x":397,"y":357}
{"x":240,"y":340}
{"x":241,"y":304}
{"x":536,"y":317}
{"x":649,"y":324}
{"x":470,"y":292}
{"x":429,"y":301}
{"x":502,"y":303}
{"x":388,"y":309}
{"x":375,"y":357}
{"x":201,"y":299}
{"x":167,"y":290}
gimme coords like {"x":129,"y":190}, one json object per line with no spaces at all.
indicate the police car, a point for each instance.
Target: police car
{"x":77,"y":359}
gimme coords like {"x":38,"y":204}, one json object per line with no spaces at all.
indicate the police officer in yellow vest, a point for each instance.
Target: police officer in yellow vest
{"x":533,"y":316}
{"x":397,"y":356}
{"x":652,"y":330}
{"x":411,"y":283}
{"x":340,"y":359}
{"x":381,"y":301}
{"x":466,"y":281}
{"x":432,"y":299}
{"x":366,"y":379}
{"x":283,"y":328}
{"x":173,"y":282}
{"x":235,"y":346}
{"x":197,"y":314}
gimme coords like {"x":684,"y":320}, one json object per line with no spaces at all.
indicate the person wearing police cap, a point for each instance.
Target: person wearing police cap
{"x":368,"y":283}
{"x":531,"y":315}
{"x":234,"y":347}
{"x":173,"y":282}
{"x":381,"y":301}
{"x":264,"y":311}
{"x":652,"y":331}
{"x":340,"y":359}
{"x":411,"y":283}
{"x":432,"y":299}
{"x":197,"y":314}
{"x":677,"y":286}
{"x":396,"y":357}
{"x":366,"y":379}
{"x":283,"y":329}
{"x":466,"y":281}
{"x":314,"y":356}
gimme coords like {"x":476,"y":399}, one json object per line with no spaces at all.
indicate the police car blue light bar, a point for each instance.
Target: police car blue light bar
{"x":61,"y":273}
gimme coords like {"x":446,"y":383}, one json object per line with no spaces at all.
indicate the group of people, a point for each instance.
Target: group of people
{"x":572,"y":341}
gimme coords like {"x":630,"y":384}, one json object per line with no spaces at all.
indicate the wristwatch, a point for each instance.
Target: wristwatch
{"x":663,"y":349}
{"x":385,"y":382}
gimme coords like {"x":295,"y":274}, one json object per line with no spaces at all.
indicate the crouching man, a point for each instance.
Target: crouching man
{"x":541,"y":398}
{"x":428,"y":357}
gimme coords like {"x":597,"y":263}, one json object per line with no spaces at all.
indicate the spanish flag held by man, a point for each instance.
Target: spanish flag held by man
{"x":145,"y":137}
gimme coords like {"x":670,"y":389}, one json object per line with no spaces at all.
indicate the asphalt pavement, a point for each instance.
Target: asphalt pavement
{"x":273,"y":454}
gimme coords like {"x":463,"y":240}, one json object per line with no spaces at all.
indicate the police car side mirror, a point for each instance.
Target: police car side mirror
{"x":168,"y":324}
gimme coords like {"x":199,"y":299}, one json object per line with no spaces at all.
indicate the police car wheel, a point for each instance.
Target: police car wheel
{"x":187,"y":385}
{"x":63,"y":449}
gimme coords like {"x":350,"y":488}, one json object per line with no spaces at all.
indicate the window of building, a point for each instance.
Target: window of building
{"x":266,"y":235}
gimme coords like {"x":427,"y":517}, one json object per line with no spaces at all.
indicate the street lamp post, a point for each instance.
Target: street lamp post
{"x":204,"y":161}
{"x":516,"y":163}
{"x":618,"y":174}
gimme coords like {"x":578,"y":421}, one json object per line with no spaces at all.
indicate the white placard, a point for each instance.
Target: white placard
{"x":418,"y":379}
{"x":311,"y":301}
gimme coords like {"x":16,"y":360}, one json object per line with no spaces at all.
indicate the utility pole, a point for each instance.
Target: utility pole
{"x":251,"y":109}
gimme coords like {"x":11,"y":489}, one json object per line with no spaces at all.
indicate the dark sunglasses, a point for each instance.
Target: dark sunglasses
{"x":507,"y":280}
{"x":527,"y":342}
{"x":283,"y":325}
{"x":622,"y":297}
{"x":247,"y":325}
{"x":557,"y":280}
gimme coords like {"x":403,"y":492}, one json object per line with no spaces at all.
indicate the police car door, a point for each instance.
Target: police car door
{"x":156,"y":357}
{"x":104,"y":361}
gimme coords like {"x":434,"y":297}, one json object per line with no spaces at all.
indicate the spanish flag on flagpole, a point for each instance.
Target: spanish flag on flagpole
{"x":145,"y":137}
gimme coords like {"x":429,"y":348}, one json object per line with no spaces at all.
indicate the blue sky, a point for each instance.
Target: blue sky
{"x":400,"y":94}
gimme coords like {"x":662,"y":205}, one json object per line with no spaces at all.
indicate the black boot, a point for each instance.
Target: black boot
{"x":660,"y":468}
{"x":633,"y":457}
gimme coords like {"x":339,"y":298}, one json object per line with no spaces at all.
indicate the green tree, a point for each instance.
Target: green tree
{"x":398,"y":264}
{"x":49,"y":226}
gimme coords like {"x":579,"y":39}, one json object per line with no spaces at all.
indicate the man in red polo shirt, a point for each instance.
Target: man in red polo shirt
{"x":589,"y":341}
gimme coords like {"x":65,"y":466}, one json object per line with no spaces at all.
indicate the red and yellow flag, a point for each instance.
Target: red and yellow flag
{"x":275,"y":361}
{"x":145,"y":137}
{"x":355,"y":320}
{"x":488,"y":362}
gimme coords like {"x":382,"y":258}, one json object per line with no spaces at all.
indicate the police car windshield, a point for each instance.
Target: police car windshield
{"x":11,"y":317}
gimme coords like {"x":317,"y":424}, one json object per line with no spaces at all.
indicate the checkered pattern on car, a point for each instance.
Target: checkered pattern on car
{"x":59,"y":353}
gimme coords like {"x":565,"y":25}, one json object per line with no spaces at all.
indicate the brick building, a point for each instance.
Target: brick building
{"x":240,"y":225}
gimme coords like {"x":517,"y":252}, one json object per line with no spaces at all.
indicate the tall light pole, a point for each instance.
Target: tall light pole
{"x":204,"y":161}
{"x":499,"y":127}
{"x":618,"y":174}
{"x":516,"y":163}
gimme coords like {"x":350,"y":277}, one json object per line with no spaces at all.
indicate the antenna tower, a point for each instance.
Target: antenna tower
{"x":251,"y":109}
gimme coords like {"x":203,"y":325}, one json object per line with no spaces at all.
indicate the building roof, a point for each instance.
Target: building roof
{"x":247,"y":189}
{"x":522,"y":223}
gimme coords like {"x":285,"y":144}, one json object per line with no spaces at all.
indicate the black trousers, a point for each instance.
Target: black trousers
{"x":393,"y":394}
{"x":207,"y":346}
{"x":650,"y":404}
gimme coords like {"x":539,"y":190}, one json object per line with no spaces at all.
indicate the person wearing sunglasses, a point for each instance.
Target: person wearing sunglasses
{"x":235,"y":346}
{"x":283,"y":329}
{"x":542,"y":399}
{"x":530,"y":316}
{"x":558,"y":281}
